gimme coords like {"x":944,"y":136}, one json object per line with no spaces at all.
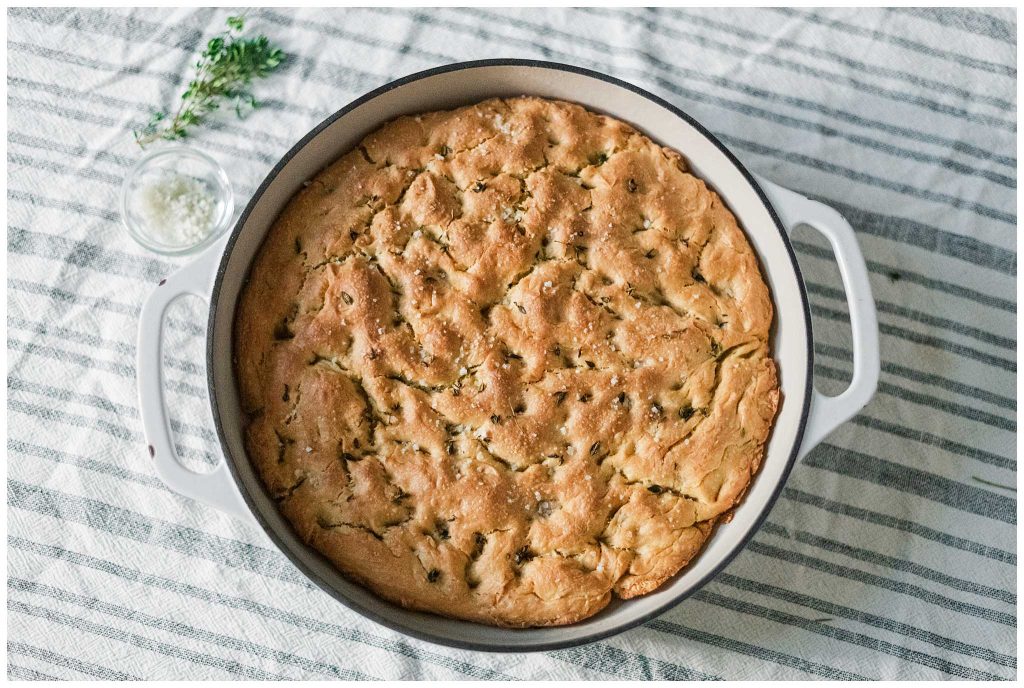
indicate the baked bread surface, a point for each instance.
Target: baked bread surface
{"x":505,"y":362}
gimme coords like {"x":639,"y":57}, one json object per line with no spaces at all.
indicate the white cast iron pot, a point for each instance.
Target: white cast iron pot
{"x":765,"y":211}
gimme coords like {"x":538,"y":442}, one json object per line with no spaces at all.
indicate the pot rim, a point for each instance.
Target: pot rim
{"x":373,"y":615}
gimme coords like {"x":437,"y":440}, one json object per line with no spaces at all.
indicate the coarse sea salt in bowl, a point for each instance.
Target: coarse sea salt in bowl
{"x":176,"y":200}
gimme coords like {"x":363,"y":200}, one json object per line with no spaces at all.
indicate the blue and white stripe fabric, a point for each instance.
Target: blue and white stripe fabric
{"x":891,"y":552}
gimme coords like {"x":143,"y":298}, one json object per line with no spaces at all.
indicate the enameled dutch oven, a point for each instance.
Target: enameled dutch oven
{"x":765,"y":211}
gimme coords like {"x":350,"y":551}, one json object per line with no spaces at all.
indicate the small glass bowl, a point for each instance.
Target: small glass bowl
{"x":185,"y":161}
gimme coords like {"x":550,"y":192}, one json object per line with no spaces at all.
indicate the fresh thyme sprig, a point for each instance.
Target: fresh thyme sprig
{"x":224,"y":71}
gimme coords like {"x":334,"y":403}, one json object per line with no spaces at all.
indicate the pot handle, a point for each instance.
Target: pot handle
{"x":217,"y":488}
{"x":827,"y":413}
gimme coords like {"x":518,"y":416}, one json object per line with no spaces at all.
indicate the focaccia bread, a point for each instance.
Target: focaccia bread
{"x":505,"y":362}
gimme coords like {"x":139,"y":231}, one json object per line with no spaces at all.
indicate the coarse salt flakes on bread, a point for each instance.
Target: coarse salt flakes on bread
{"x":506,"y":362}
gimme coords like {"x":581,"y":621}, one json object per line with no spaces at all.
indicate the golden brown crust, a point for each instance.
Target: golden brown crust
{"x":504,"y":362}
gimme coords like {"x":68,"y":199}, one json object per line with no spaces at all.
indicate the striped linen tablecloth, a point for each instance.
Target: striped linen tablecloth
{"x":891,"y":552}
